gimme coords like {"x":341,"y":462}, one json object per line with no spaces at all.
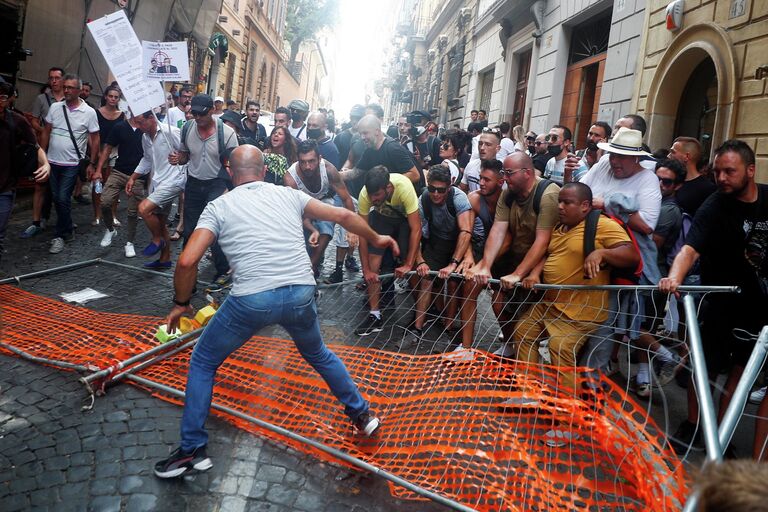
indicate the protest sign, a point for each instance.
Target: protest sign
{"x":166,"y":61}
{"x":121,"y":49}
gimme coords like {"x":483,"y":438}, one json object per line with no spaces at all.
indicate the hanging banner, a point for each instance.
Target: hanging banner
{"x":166,"y":61}
{"x":121,"y":49}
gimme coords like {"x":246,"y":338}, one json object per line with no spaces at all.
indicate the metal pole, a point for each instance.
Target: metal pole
{"x":140,"y":357}
{"x":320,"y":446}
{"x":53,"y":270}
{"x":739,"y":399}
{"x":43,"y":360}
{"x":706,"y":406}
{"x":146,"y":271}
{"x":152,"y":361}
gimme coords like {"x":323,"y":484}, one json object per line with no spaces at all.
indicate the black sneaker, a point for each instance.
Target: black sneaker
{"x":179,"y":463}
{"x":367,"y":424}
{"x":685,"y":437}
{"x":336,"y":277}
{"x":372,"y":325}
{"x":351,"y":263}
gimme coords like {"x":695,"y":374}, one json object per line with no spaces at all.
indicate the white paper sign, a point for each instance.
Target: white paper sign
{"x":165,"y":61}
{"x":121,"y":49}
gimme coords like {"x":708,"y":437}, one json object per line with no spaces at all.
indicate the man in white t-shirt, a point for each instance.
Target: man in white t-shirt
{"x":177,"y":116}
{"x":259,"y":227}
{"x":618,"y":179}
{"x":487,"y":148}
{"x":64,"y":156}
{"x":507,"y":145}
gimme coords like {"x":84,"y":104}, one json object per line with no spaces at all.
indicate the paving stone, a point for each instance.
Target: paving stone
{"x":117,"y":416}
{"x":265,"y":507}
{"x":23,"y":485}
{"x":108,"y":455}
{"x":113,"y":428}
{"x":30,"y":469}
{"x":50,"y":479}
{"x":141,"y":503}
{"x":102,"y":486}
{"x":225,"y":485}
{"x":79,"y":473}
{"x":258,"y":489}
{"x":233,"y":504}
{"x":15,"y":424}
{"x":243,"y":468}
{"x":14,"y":502}
{"x":105,"y":504}
{"x":65,"y":435}
{"x":58,"y":462}
{"x":294,"y":479}
{"x":309,"y":501}
{"x":282,"y":495}
{"x":104,"y":469}
{"x":135,"y":467}
{"x":142,"y":425}
{"x":134,"y":452}
{"x":69,"y":447}
{"x":270,"y":473}
{"x":129,"y":484}
{"x":74,"y":490}
{"x":30,"y":398}
{"x":44,"y":497}
{"x":82,"y":459}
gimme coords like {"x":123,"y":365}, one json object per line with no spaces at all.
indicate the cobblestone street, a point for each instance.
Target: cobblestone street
{"x":55,"y":457}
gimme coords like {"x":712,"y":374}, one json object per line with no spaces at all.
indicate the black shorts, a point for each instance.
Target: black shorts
{"x":437,"y":252}
{"x":396,"y":227}
{"x":501,"y":266}
{"x":718,"y":319}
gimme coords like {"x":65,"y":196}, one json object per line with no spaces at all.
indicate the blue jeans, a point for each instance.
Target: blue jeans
{"x":6,"y":207}
{"x":62,"y":181}
{"x":292,"y":307}
{"x":197,"y":195}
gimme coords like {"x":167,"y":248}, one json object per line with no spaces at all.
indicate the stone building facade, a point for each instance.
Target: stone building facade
{"x":707,"y":79}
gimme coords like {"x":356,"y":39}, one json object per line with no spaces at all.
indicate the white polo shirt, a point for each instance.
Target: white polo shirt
{"x":83,"y":120}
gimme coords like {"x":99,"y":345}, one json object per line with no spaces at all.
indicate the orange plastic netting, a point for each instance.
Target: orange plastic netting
{"x":442,"y":427}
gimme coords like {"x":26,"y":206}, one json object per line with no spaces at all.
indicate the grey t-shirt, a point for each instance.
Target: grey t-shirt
{"x":259,"y":227}
{"x":41,"y":105}
{"x":444,"y":225}
{"x":204,"y":163}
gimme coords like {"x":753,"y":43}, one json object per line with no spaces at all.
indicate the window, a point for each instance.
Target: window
{"x":456,"y":63}
{"x":521,"y":90}
{"x":251,"y":65}
{"x":271,"y":84}
{"x":231,"y":67}
{"x":485,"y":83}
{"x":236,"y":6}
{"x":590,"y":38}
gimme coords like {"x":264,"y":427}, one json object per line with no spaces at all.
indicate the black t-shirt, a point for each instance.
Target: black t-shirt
{"x":732,"y":238}
{"x":356,"y":149}
{"x":693,"y":193}
{"x":540,"y":161}
{"x":127,"y":140}
{"x":343,"y":142}
{"x":391,"y":155}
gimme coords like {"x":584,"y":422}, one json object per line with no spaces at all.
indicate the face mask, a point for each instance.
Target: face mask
{"x":555,"y":150}
{"x":592,"y":146}
{"x":531,"y":148}
{"x":314,"y":133}
{"x":296,"y":116}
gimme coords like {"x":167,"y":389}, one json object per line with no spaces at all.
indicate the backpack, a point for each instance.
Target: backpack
{"x":540,"y":188}
{"x":685,"y":227}
{"x":219,"y":138}
{"x":621,"y":276}
{"x":23,"y":155}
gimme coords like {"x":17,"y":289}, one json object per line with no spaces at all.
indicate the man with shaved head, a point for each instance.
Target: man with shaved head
{"x":379,"y":150}
{"x":317,"y":130}
{"x":525,"y":214}
{"x":259,"y":227}
{"x":696,"y":187}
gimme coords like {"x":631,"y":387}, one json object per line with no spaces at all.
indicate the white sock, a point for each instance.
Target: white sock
{"x":376,"y":313}
{"x":643,"y":374}
{"x":665,"y":354}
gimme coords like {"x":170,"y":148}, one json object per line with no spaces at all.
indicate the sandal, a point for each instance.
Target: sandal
{"x":175,"y":236}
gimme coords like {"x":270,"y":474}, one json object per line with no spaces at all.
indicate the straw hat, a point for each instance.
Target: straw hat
{"x":625,"y":142}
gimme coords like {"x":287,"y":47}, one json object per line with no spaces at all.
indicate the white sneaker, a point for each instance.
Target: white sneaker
{"x":116,"y":222}
{"x":130,"y":252}
{"x":460,"y":355}
{"x":57,"y":245}
{"x":401,"y":286}
{"x":506,"y":350}
{"x":95,"y":222}
{"x":106,"y":240}
{"x":757,"y":396}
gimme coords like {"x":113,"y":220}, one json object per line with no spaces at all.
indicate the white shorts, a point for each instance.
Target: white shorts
{"x":163,"y":197}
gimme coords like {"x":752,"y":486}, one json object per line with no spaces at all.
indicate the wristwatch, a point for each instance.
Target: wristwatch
{"x":181,"y":303}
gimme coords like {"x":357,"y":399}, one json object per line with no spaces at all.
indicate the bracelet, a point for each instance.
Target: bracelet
{"x":94,"y":163}
{"x":455,"y":261}
{"x":421,"y":263}
{"x":465,"y":231}
{"x":181,"y":302}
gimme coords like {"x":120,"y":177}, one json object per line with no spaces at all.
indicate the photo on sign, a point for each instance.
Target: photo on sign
{"x":165,"y":61}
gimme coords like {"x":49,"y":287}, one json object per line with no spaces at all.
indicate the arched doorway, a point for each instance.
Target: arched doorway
{"x":697,"y":69}
{"x":698,"y":105}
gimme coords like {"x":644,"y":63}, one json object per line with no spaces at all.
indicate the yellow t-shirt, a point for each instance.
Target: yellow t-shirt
{"x":523,"y":221}
{"x":403,"y":202}
{"x":565,"y":265}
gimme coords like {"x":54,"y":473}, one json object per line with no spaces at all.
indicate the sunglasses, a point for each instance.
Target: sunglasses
{"x":491,"y":130}
{"x":511,"y":172}
{"x":445,"y":146}
{"x":539,"y":143}
{"x":439,"y":190}
{"x":667,"y":182}
{"x":551,"y":138}
{"x":530,"y":138}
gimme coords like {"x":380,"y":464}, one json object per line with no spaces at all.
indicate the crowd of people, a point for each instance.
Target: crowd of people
{"x":444,"y":210}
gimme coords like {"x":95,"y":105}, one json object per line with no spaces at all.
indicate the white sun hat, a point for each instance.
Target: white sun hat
{"x":625,"y":142}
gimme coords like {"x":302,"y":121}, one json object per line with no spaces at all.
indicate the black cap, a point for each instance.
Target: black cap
{"x":231,"y":116}
{"x":201,"y":104}
{"x":357,"y":111}
{"x":422,"y":113}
